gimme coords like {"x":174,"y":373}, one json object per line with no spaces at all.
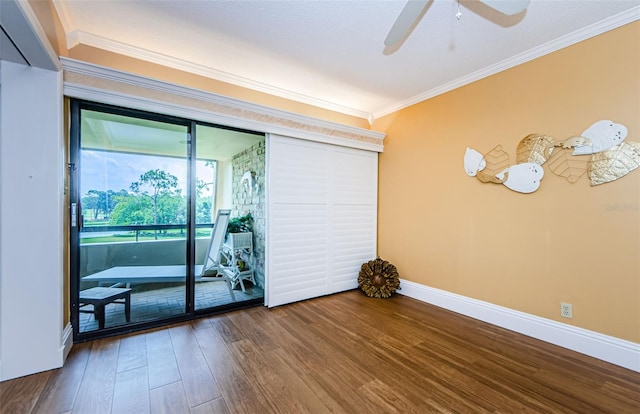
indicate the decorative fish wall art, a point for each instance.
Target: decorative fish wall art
{"x":600,"y":151}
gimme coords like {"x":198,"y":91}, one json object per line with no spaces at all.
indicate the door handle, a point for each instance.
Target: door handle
{"x":74,"y":214}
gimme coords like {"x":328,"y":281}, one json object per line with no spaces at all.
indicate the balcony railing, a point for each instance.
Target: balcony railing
{"x":87,"y":231}
{"x":135,"y":249}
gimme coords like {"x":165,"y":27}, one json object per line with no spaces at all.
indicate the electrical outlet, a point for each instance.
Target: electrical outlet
{"x":566,"y":310}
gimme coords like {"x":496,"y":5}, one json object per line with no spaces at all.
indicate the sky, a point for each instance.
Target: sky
{"x":116,"y":171}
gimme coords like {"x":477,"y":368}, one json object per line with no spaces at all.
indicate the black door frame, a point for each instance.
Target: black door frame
{"x":76,"y":106}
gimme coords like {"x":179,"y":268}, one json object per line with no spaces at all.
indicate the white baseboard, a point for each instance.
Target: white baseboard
{"x":67,"y":341}
{"x":607,"y":348}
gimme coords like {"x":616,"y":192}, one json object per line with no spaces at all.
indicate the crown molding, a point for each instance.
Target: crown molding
{"x":75,"y":37}
{"x":80,"y":37}
{"x":65,"y":18}
{"x":92,"y":82}
{"x":593,"y":30}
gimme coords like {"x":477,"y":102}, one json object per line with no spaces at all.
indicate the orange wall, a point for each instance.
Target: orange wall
{"x":566,"y":242}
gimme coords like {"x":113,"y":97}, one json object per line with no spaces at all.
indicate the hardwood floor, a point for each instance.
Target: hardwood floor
{"x":344,"y":353}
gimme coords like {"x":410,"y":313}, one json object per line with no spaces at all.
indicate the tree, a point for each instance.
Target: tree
{"x":92,"y":202}
{"x":172,"y":209}
{"x":160,"y":183}
{"x":203,"y":203}
{"x":131,"y":210}
{"x":203,"y":209}
{"x":101,"y":202}
{"x":110,"y":201}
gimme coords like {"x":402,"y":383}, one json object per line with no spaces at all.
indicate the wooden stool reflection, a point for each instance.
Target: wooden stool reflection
{"x":99,"y":297}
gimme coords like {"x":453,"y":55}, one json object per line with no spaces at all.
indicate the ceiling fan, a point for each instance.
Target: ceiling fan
{"x":412,"y":11}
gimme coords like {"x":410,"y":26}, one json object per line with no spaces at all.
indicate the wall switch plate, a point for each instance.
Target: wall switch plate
{"x":566,"y":310}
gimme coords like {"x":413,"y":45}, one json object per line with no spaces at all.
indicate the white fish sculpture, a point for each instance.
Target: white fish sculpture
{"x":473,"y":162}
{"x":523,"y":178}
{"x":601,"y":136}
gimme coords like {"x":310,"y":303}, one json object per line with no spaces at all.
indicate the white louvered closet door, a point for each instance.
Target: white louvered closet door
{"x":322,"y":208}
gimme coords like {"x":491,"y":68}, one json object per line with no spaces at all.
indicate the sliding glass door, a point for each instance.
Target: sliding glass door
{"x":132,"y":210}
{"x":145,"y":192}
{"x":229,"y":176}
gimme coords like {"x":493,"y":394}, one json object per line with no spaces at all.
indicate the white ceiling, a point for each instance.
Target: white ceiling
{"x":331,"y":53}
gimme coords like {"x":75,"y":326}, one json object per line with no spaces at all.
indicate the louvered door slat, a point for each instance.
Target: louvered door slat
{"x":322,"y":218}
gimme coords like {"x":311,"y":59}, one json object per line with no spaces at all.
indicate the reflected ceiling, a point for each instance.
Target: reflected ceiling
{"x":117,"y":133}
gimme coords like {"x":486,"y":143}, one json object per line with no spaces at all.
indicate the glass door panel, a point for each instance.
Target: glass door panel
{"x":229,"y":176}
{"x":133,"y":191}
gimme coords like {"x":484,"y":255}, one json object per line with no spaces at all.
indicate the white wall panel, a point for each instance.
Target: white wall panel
{"x":322,"y":218}
{"x":31,"y":176}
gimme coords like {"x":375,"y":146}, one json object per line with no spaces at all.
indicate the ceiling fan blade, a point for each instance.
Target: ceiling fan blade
{"x":405,"y":21}
{"x":508,"y":7}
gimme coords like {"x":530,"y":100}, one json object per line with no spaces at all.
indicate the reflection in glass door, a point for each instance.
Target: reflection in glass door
{"x":132,"y":192}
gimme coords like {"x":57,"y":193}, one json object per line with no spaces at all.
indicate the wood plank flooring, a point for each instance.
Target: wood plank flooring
{"x":344,"y":353}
